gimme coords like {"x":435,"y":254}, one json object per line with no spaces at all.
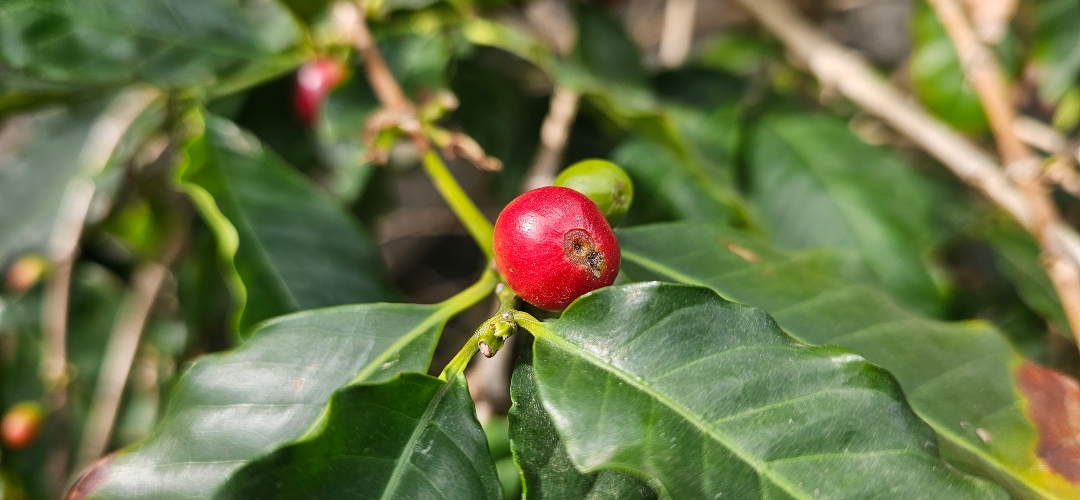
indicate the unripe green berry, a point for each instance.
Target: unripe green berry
{"x":604,"y":183}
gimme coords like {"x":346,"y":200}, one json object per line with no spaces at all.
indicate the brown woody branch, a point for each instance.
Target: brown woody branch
{"x":102,"y":140}
{"x":120,"y":350}
{"x":839,"y":68}
{"x":982,"y":71}
{"x":554,"y":133}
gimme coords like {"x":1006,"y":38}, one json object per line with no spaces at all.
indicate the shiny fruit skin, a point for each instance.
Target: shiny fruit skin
{"x":553,"y":245}
{"x":21,"y":425}
{"x":314,"y":81}
{"x":604,"y":183}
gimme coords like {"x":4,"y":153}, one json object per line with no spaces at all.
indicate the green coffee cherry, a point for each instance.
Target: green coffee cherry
{"x":604,"y":183}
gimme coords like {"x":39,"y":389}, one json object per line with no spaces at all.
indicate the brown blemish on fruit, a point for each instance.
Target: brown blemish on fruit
{"x":619,"y":195}
{"x":579,"y":248}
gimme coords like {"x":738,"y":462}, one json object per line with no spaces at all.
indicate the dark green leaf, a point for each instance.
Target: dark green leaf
{"x":709,"y":399}
{"x":170,"y":43}
{"x":292,"y":247}
{"x":605,"y":48}
{"x":232,"y":408}
{"x":936,"y":75}
{"x":414,"y":436}
{"x":418,"y":60}
{"x":957,"y":376}
{"x":817,"y":184}
{"x":547,"y":471}
{"x":1057,"y":46}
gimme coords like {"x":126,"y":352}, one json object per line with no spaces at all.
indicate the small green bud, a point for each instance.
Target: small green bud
{"x":604,"y":183}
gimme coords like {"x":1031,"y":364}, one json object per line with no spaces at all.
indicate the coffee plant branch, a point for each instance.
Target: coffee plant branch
{"x":404,"y":116}
{"x":983,"y":72}
{"x":103,"y":139}
{"x":120,"y":349}
{"x":554,"y":132}
{"x":841,"y":69}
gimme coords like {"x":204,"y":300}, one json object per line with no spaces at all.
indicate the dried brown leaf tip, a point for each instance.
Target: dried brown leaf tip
{"x":1054,"y":407}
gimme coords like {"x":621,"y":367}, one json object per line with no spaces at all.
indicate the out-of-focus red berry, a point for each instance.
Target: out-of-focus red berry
{"x":25,"y":272}
{"x":21,"y":425}
{"x":314,"y":81}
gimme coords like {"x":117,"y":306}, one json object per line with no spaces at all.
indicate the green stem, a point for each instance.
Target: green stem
{"x":461,"y":359}
{"x":533,"y":325}
{"x":476,"y":291}
{"x":467,"y":298}
{"x":460,"y":203}
{"x":488,"y":332}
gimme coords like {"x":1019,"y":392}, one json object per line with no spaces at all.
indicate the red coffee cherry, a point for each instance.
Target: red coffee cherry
{"x":553,"y":245}
{"x":314,"y":82}
{"x":21,"y":425}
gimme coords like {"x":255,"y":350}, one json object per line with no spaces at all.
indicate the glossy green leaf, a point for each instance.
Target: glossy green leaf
{"x":169,"y":43}
{"x":957,"y":376}
{"x":411,"y":437}
{"x":1057,"y":47}
{"x":546,"y":469}
{"x":710,"y":399}
{"x":817,"y":184}
{"x":291,"y":246}
{"x":232,"y":408}
{"x":63,"y":147}
{"x":604,"y":47}
{"x":936,"y":75}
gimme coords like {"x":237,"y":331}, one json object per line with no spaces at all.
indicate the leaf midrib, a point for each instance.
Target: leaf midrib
{"x":421,"y":426}
{"x":941,"y":430}
{"x":760,"y":466}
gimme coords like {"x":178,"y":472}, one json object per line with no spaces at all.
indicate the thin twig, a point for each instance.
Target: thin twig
{"x":120,"y":350}
{"x":554,"y":133}
{"x":555,"y":26}
{"x":1038,"y":135}
{"x":64,"y":244}
{"x":349,"y":19}
{"x":102,"y":140}
{"x":982,"y":71}
{"x":63,"y":247}
{"x":678,"y":32}
{"x":849,"y":74}
{"x":1061,"y":169}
